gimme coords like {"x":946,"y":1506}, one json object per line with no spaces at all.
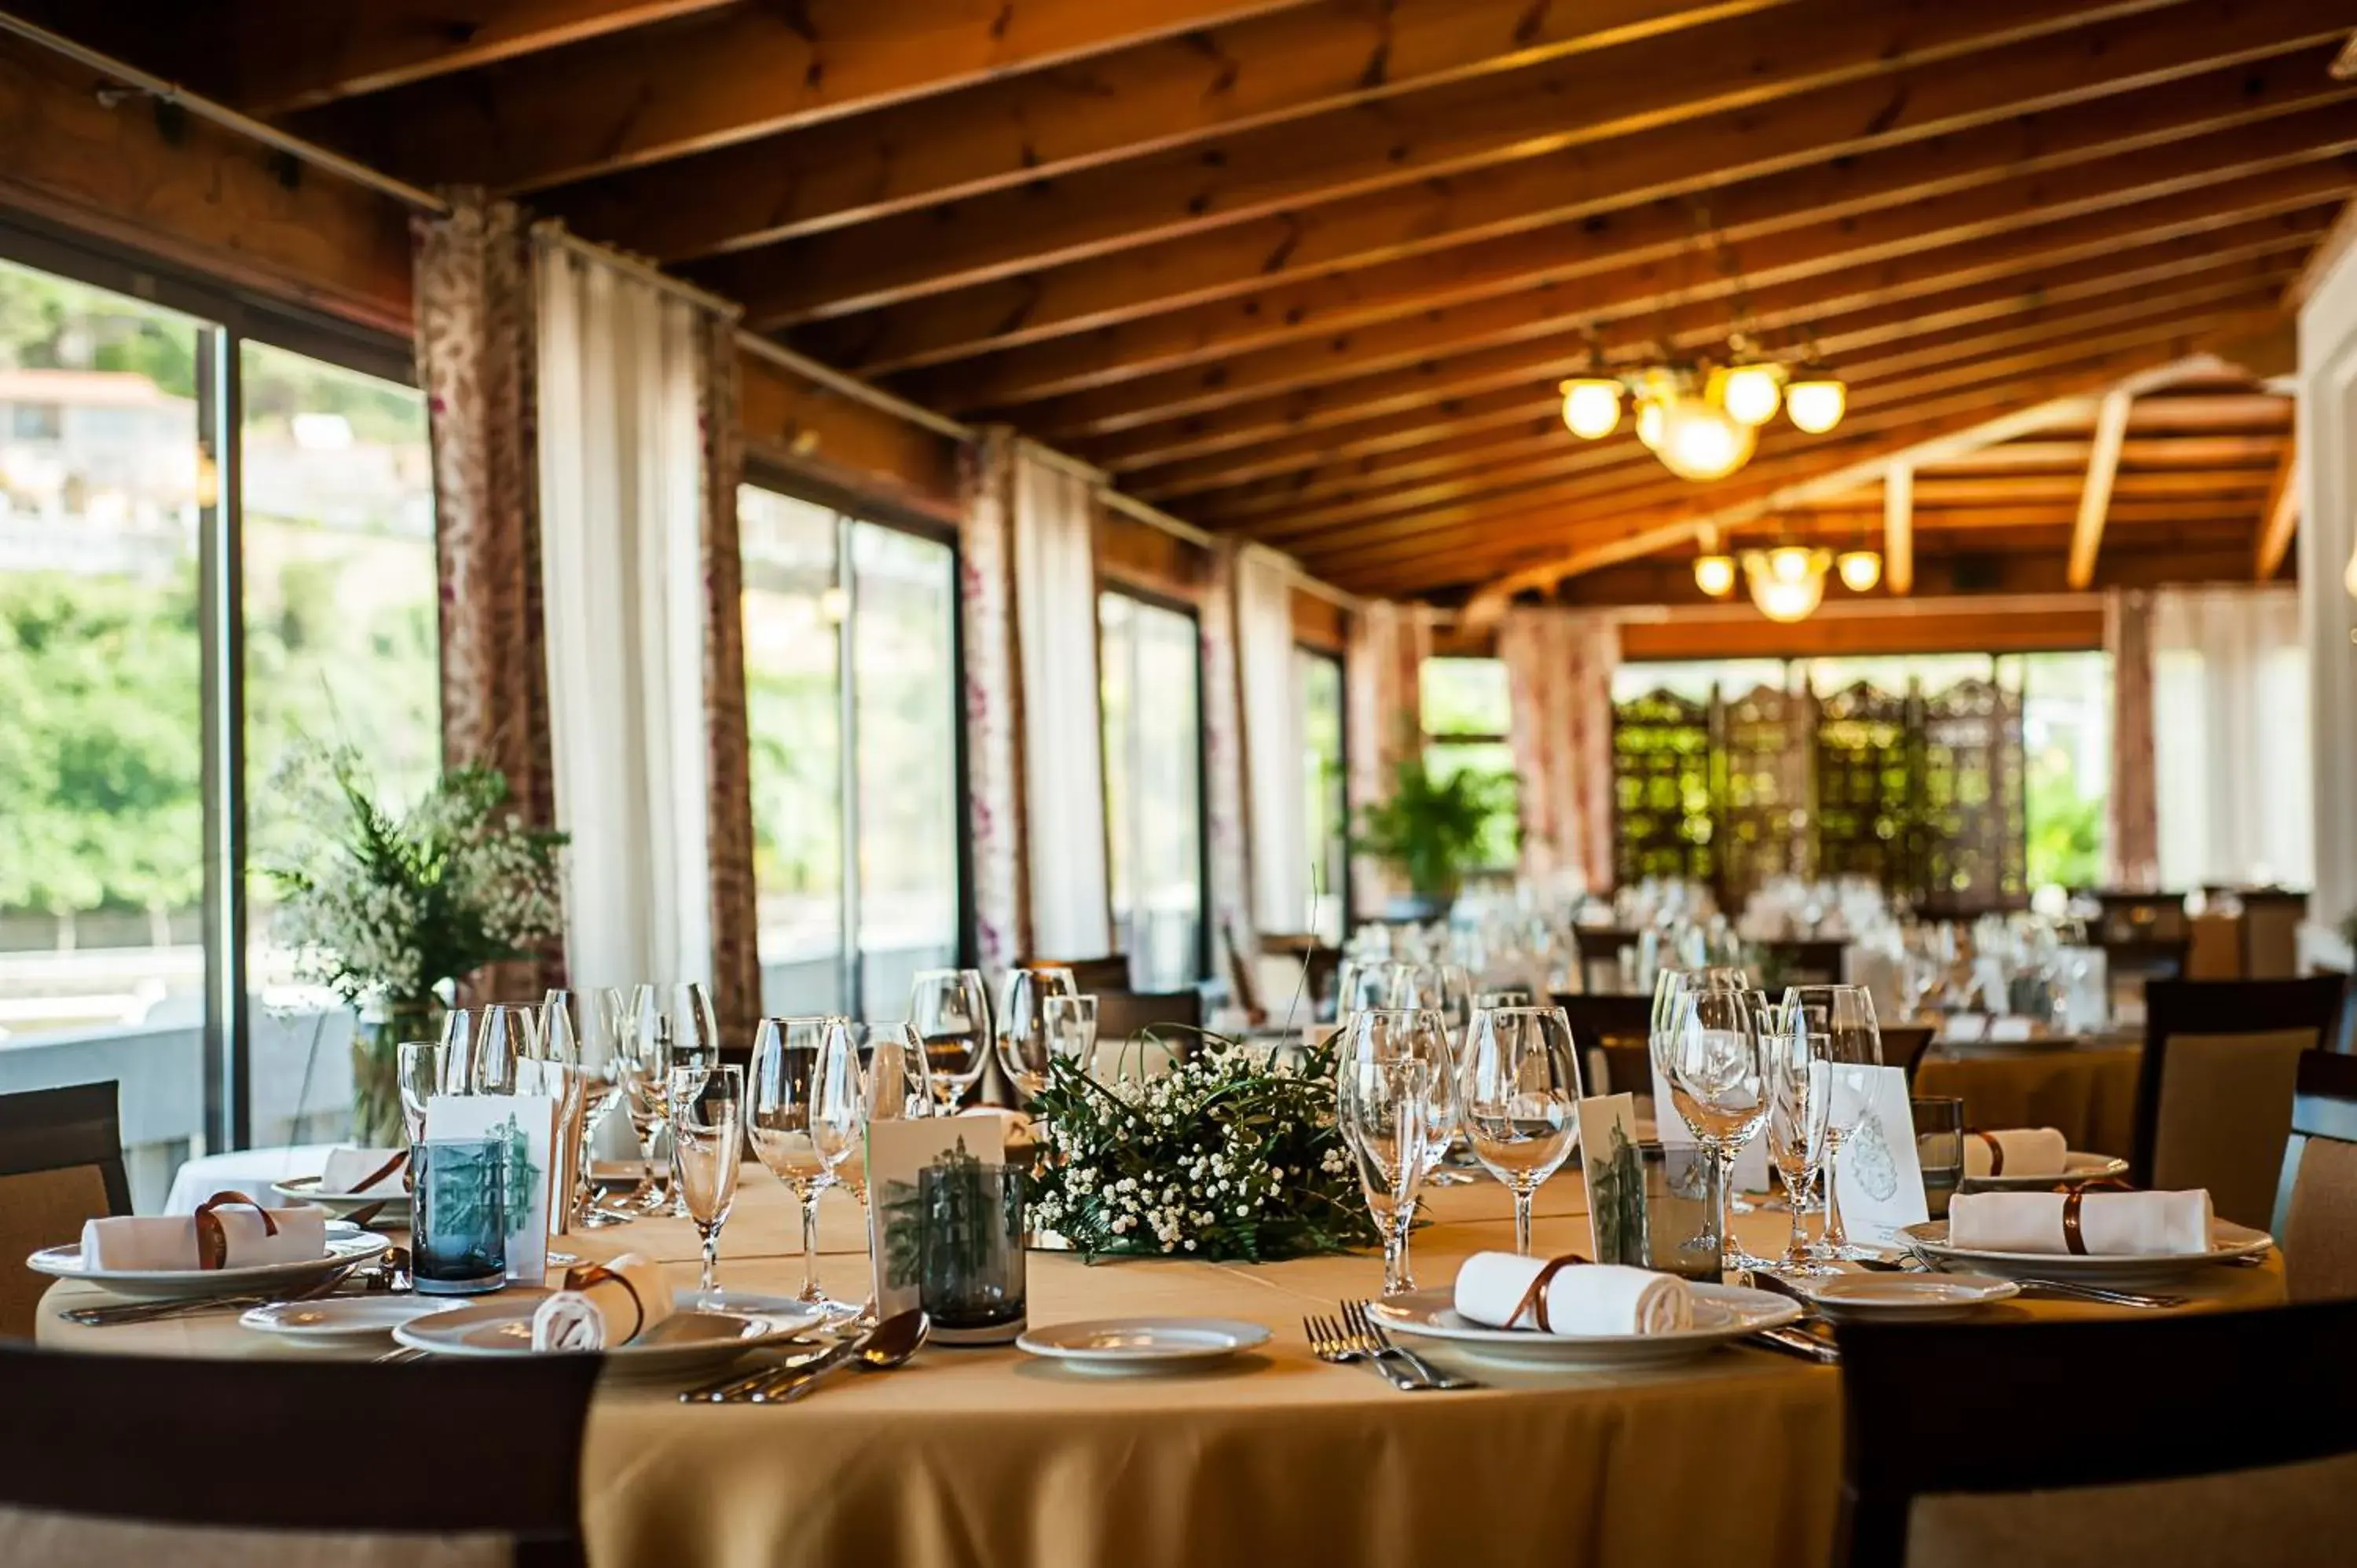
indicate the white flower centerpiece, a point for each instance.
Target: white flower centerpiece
{"x":390,"y":908}
{"x":1234,"y":1156}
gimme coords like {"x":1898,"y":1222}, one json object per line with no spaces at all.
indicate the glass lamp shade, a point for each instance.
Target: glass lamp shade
{"x":1700,"y":442}
{"x":1591,"y":407}
{"x":1859,"y":569}
{"x":1817,"y":404}
{"x":1749,"y":394}
{"x":1787,"y":583}
{"x":1715,"y":575}
{"x":1649,"y":422}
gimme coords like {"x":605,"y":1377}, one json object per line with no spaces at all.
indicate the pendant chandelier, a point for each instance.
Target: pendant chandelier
{"x":1701,"y":419}
{"x":1786,"y":582}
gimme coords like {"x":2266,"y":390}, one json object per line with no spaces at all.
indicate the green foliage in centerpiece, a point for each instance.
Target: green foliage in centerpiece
{"x":1233,"y":1156}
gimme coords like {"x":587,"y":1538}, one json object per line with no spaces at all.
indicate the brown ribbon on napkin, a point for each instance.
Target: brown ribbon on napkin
{"x":1534,"y":1299}
{"x":212,"y":1241}
{"x":2073,"y":1197}
{"x":1996,"y":1149}
{"x":382,"y":1171}
{"x":581,"y":1276}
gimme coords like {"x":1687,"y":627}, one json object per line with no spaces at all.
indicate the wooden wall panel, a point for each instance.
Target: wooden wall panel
{"x":1320,"y":622}
{"x":1963,"y":630}
{"x":802,"y":427}
{"x":1142,"y":557}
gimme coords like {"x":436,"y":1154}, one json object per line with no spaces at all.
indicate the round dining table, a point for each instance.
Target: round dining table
{"x":2085,"y":1089}
{"x":992,"y":1458}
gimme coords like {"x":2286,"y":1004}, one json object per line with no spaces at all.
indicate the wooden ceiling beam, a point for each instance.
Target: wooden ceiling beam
{"x":1964,"y":578}
{"x":2150,"y":453}
{"x":2095,"y":492}
{"x":1290,"y":274}
{"x":2280,"y":516}
{"x":1277,"y":172}
{"x":1020,"y":130}
{"x":744,"y":71}
{"x":1898,"y":530}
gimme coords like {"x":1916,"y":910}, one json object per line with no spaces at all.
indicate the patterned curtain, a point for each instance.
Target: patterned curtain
{"x":1226,"y":795}
{"x":736,"y":914}
{"x":2132,"y":837}
{"x":994,"y":704}
{"x":478,"y":363}
{"x":1389,"y":644}
{"x":1559,"y":669}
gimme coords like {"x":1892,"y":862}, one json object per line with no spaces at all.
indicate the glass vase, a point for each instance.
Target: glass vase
{"x":376,"y":1068}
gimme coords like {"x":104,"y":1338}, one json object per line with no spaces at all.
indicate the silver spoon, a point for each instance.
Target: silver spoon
{"x":732,"y":1390}
{"x":888,"y":1345}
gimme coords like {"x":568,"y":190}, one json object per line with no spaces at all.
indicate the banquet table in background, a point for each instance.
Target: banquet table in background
{"x":991,"y":1459}
{"x":2087,"y":1093}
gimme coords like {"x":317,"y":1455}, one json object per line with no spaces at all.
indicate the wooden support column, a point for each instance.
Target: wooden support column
{"x":1899,"y":528}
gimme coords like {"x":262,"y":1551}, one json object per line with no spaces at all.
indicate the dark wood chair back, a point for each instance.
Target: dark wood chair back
{"x":2132,"y":917}
{"x":2316,"y":1207}
{"x":130,"y":1448}
{"x":1903,"y":1046}
{"x":1613,"y":1033}
{"x":1124,"y":1015}
{"x":60,"y":1164}
{"x":1806,"y":962}
{"x":1241,"y":979}
{"x":2214,"y":1090}
{"x":1599,"y":954}
{"x":2202,"y":1406}
{"x":1092,"y":975}
{"x":1321,"y":968}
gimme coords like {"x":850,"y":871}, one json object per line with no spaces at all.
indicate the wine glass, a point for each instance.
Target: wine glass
{"x":1370,"y":983}
{"x":804,"y":1118}
{"x":686,"y":1035}
{"x":1025,"y":1046}
{"x":1393,"y":1033}
{"x":505,"y":1038}
{"x":1842,"y":1016}
{"x":1442,"y":988}
{"x":641,"y":1065}
{"x":1073,"y":1030}
{"x":600,"y":1073}
{"x":951,"y":1010}
{"x":418,"y":1069}
{"x":706,"y":1106}
{"x":897,"y":1082}
{"x":1519,"y":1090}
{"x":1799,"y":1087}
{"x":1380,"y":1109}
{"x":1715,"y":1070}
{"x":556,"y":1044}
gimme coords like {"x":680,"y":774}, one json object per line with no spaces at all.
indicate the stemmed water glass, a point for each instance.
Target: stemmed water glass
{"x":505,"y":1038}
{"x":602,"y":1074}
{"x":1842,"y":1016}
{"x":1073,"y":1030}
{"x":1799,"y":1087}
{"x":804,"y":1118}
{"x":1025,"y":1044}
{"x":1714,"y":1066}
{"x":1442,"y":988}
{"x":951,"y":1009}
{"x":1380,"y":1107}
{"x":893,"y":1087}
{"x":706,"y":1107}
{"x":1392,"y":1034}
{"x":1518,"y":1087}
{"x":686,"y":1035}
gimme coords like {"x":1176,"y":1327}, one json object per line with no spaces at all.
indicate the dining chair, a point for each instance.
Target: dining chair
{"x":1903,"y":1046}
{"x":1599,"y":954}
{"x":1614,"y":1037}
{"x":2214,"y":1090}
{"x":1809,"y":960}
{"x":2316,"y":1207}
{"x":60,"y":1164}
{"x":152,"y":1460}
{"x":1121,"y":1015}
{"x":2178,"y":1440}
{"x":1092,"y":975}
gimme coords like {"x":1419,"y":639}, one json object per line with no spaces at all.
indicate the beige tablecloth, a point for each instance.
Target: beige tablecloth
{"x":991,"y":1459}
{"x":2086,"y":1092}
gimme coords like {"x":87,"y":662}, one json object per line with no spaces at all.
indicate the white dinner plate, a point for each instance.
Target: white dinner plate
{"x":1918,"y":1298}
{"x":2228,"y":1241}
{"x":2076,"y":1167}
{"x":683,"y":1345}
{"x":1721,"y":1312}
{"x":340,"y":1319}
{"x":346,"y":1246}
{"x":1142,"y":1344}
{"x":306,"y":1189}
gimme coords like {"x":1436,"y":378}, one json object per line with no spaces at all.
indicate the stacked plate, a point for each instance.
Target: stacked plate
{"x":347,"y":1245}
{"x":2229,"y":1242}
{"x":1722,"y":1313}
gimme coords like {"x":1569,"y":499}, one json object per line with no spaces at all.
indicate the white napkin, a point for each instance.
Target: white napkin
{"x":1014,"y":1126}
{"x":1585,"y":1299}
{"x":608,"y":1313}
{"x":2112,"y":1224}
{"x":2029,"y":1152}
{"x":169,"y":1241}
{"x":346,"y":1168}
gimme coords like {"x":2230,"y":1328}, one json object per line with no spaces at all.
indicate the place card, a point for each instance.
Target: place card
{"x":1752,"y":1169}
{"x":1881,"y":1180}
{"x":526,"y":1123}
{"x":1616,"y":1179}
{"x":896,"y":1151}
{"x":2011,"y":1029}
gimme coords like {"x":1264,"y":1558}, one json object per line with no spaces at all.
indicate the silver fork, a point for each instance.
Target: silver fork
{"x":2098,"y":1292}
{"x":161,"y":1311}
{"x":1370,"y":1336}
{"x":1327,"y":1342}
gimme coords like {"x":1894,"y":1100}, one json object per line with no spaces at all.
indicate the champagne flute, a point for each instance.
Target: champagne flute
{"x":1842,"y":1016}
{"x":1073,"y":1030}
{"x":558,"y":1049}
{"x":686,"y":1035}
{"x":951,"y":1010}
{"x":706,"y":1107}
{"x":1519,"y":1090}
{"x":1025,"y":1046}
{"x":603,"y":1088}
{"x":1799,"y":1087}
{"x":643,"y":1065}
{"x":804,"y":1118}
{"x":1715,"y":1070}
{"x":1380,"y":1109}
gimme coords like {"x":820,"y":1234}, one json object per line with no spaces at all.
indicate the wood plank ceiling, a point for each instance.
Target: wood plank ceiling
{"x":1309,"y":270}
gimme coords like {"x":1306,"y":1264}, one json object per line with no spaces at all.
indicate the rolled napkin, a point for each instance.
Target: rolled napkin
{"x":249,"y":1235}
{"x":602,"y":1305}
{"x":2014,"y":1151}
{"x":1581,"y":1299}
{"x":2110,"y":1224}
{"x":372,"y":1173}
{"x":1014,"y":1126}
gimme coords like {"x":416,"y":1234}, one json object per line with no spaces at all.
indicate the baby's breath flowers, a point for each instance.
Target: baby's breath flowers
{"x":1232,"y":1155}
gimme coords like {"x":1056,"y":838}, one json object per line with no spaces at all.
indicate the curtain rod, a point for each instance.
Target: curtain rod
{"x":553,"y":231}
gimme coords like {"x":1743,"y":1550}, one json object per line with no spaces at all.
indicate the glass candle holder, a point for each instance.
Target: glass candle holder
{"x":460,"y":1228}
{"x":1939,"y":1148}
{"x":971,"y":1278}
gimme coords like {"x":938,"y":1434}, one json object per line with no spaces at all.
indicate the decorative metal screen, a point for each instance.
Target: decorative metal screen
{"x":1662,"y":788}
{"x":1765,"y":755}
{"x":1972,"y":807}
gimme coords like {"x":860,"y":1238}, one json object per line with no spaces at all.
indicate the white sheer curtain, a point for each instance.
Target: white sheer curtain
{"x":1273,"y":758}
{"x":2231,"y":737}
{"x":1063,"y":777}
{"x":621,"y":504}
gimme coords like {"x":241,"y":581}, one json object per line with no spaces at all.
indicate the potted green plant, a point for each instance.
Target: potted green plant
{"x":1430,"y":830}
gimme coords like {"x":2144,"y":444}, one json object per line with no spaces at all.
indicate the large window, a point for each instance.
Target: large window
{"x":175,"y":494}
{"x":1466,"y":713}
{"x":1151,"y":691}
{"x":1318,"y":682}
{"x":855,"y":802}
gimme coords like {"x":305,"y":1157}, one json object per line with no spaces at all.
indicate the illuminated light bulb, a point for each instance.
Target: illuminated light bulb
{"x":1859,"y":569}
{"x":1749,"y":394}
{"x":1816,"y":405}
{"x":1701,"y":442}
{"x":1787,"y":583}
{"x":1715,"y":575}
{"x":2349,"y":578}
{"x":1591,"y":407}
{"x":1649,"y":423}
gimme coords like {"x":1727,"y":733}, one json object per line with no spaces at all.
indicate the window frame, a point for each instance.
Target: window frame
{"x":1340,"y":661}
{"x":1205,"y":915}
